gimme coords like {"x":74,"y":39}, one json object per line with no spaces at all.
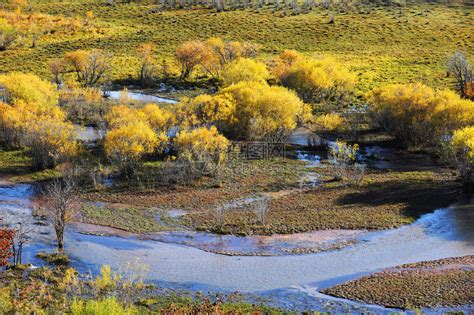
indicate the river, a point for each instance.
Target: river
{"x":293,"y":280}
{"x":141,"y":97}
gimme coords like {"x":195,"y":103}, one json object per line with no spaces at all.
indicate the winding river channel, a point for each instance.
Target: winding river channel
{"x":289,"y":281}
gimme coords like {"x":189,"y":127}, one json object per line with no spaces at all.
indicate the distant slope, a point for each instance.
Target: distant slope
{"x":382,"y":44}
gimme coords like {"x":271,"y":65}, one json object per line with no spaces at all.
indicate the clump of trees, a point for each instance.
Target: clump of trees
{"x":418,"y":116}
{"x":246,"y":110}
{"x":91,"y":67}
{"x":25,"y":29}
{"x":132,"y":134}
{"x":320,"y":81}
{"x":31,"y":118}
{"x":85,"y":106}
{"x":211,"y":55}
{"x":294,"y":7}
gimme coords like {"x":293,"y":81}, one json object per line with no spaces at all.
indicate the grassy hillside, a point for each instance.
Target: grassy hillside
{"x":382,"y":44}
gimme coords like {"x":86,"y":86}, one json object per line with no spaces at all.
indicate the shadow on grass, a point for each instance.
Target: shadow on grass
{"x":419,"y":196}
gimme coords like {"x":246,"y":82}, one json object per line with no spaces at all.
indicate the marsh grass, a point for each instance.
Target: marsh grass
{"x":128,"y":218}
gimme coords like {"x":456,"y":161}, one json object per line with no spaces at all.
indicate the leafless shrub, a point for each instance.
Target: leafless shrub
{"x":458,"y":66}
{"x":355,"y":174}
{"x":176,"y":172}
{"x":87,"y":172}
{"x":260,"y":209}
{"x":219,"y":215}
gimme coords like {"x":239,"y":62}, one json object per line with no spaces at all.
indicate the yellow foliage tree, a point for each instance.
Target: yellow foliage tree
{"x":8,"y":34}
{"x":263,"y":110}
{"x":320,"y":81}
{"x":32,"y":119}
{"x":245,"y":69}
{"x":148,"y":69}
{"x":189,"y":55}
{"x":161,"y":120}
{"x":123,"y":115}
{"x":16,"y":119}
{"x":417,"y":115}
{"x":212,"y":55}
{"x":203,"y":148}
{"x":29,"y":88}
{"x":207,"y":110}
{"x":50,"y":142}
{"x":462,"y":144}
{"x":125,"y":144}
{"x":91,"y":67}
{"x":329,"y":122}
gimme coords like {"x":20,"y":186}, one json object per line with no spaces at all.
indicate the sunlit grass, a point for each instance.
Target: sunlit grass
{"x":382,"y":45}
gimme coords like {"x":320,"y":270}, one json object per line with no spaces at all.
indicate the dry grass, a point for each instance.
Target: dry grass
{"x":445,"y":282}
{"x":385,"y":200}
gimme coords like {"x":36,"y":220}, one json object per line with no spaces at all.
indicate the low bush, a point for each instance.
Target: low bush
{"x":343,"y":165}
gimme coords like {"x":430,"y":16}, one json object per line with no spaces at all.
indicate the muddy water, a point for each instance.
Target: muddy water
{"x":292,"y":280}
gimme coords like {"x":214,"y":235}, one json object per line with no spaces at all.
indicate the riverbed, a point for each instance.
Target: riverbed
{"x":289,"y":281}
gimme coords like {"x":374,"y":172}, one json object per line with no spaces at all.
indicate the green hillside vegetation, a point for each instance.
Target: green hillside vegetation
{"x":381,"y":44}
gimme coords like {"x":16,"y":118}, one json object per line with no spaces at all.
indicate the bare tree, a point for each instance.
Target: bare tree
{"x":458,"y":66}
{"x":61,"y":202}
{"x":22,"y":236}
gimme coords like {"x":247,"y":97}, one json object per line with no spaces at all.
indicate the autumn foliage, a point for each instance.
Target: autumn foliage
{"x":262,"y":110}
{"x":244,"y":69}
{"x":203,"y":150}
{"x":91,"y":67}
{"x":8,"y":34}
{"x":133,"y":133}
{"x":462,"y":146}
{"x":6,"y":244}
{"x":322,"y":81}
{"x":417,"y":115}
{"x":329,"y":122}
{"x":211,"y":55}
{"x":31,"y":118}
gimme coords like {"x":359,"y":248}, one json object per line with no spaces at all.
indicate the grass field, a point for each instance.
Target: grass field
{"x":381,"y":44}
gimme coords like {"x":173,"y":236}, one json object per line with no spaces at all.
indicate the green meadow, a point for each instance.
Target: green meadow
{"x":381,"y":44}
